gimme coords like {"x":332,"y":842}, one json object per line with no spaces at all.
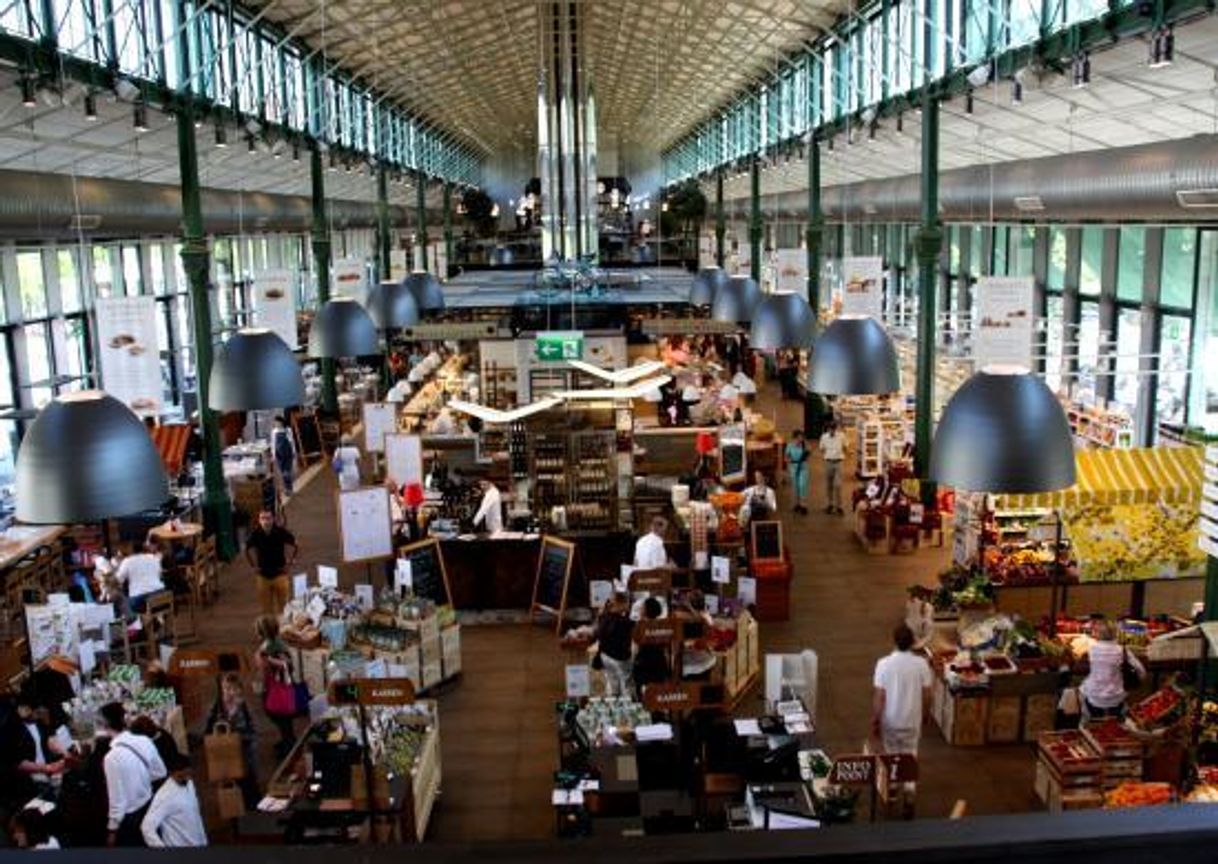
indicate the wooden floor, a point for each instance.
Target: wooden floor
{"x":497,"y":719}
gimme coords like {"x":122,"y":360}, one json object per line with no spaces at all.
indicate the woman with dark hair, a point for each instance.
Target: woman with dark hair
{"x":30,"y":830}
{"x":650,"y":661}
{"x":274,"y":662}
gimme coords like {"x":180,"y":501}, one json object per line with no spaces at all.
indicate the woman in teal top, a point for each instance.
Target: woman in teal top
{"x":796,"y":454}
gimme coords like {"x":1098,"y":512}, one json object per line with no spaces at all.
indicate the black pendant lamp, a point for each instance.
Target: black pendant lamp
{"x":254,"y":370}
{"x":427,"y":290}
{"x":706,"y":285}
{"x":782,"y":321}
{"x":393,"y":306}
{"x":85,"y":458}
{"x":736,"y":300}
{"x":342,"y":328}
{"x":853,"y":357}
{"x":1004,"y":432}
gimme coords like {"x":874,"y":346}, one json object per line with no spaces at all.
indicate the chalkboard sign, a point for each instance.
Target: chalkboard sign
{"x":732,"y":465}
{"x":427,"y":571}
{"x":308,"y":437}
{"x":553,"y":577}
{"x":767,"y":541}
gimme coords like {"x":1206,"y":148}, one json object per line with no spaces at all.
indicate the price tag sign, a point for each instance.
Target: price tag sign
{"x":300,"y":585}
{"x":579,"y":680}
{"x":746,"y":590}
{"x":363,"y":596}
{"x":327,"y":577}
{"x":403,"y":576}
{"x":917,"y":512}
{"x":381,"y":691}
{"x":858,"y":770}
{"x":721,"y":570}
{"x":712,"y":604}
{"x":600,"y":590}
{"x":316,"y":608}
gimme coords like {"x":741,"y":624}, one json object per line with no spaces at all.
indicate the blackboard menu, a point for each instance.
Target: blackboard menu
{"x":427,"y":571}
{"x":308,"y":437}
{"x":553,"y":574}
{"x":732,"y":455}
{"x":767,"y":541}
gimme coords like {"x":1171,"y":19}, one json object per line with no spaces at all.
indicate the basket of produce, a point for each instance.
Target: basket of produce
{"x":1112,"y":740}
{"x":1139,"y":794}
{"x":1159,"y":710}
{"x":1068,"y":752}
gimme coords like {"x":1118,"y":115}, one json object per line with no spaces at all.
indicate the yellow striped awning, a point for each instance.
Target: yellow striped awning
{"x":1141,"y":475}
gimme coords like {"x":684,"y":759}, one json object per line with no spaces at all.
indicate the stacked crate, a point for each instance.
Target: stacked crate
{"x":1069,"y":772}
{"x":1121,"y":754}
{"x":431,"y":653}
{"x":450,"y":650}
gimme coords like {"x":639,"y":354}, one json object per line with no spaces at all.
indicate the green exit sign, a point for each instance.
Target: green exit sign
{"x":556,"y":345}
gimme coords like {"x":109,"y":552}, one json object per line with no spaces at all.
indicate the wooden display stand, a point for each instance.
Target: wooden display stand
{"x":739,"y":668}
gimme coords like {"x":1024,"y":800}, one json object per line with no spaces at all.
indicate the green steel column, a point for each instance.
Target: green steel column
{"x":420,"y":187}
{"x":720,"y":220}
{"x":383,"y":235}
{"x":815,"y":233}
{"x":448,"y":227}
{"x":756,"y":227}
{"x":321,"y":259}
{"x":928,"y":245}
{"x":194,"y":262}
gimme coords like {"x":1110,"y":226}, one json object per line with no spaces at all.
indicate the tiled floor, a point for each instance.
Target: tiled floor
{"x":496,"y":721}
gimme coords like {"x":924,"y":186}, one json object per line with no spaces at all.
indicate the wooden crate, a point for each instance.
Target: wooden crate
{"x":1039,"y":715}
{"x":1059,"y":796}
{"x":1002,"y":725}
{"x":965,"y":717}
{"x":450,"y":649}
{"x":431,"y":650}
{"x":433,"y":672}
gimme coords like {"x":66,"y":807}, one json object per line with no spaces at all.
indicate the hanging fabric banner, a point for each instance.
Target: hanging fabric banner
{"x":863,"y":287}
{"x":1003,"y":333}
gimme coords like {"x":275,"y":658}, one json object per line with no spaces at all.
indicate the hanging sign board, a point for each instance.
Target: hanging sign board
{"x":275,"y":303}
{"x":688,"y":327}
{"x":1003,"y":330}
{"x":404,"y":459}
{"x":559,"y":345}
{"x":863,"y":287}
{"x":130,"y":357}
{"x":791,"y":266}
{"x":348,"y":278}
{"x":365,"y":527}
{"x":456,"y":330}
{"x":380,"y":420}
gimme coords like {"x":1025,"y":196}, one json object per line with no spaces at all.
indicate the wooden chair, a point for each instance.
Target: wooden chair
{"x":203,"y":572}
{"x":159,"y":623}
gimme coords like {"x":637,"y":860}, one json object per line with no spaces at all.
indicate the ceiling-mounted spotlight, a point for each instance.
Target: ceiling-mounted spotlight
{"x":90,"y":107}
{"x":1080,"y":71}
{"x":221,"y":135}
{"x":28,"y":94}
{"x":333,"y":163}
{"x":1017,"y":89}
{"x":198,"y":121}
{"x":126,"y":90}
{"x":140,"y":117}
{"x":968,"y":102}
{"x":979,"y":76}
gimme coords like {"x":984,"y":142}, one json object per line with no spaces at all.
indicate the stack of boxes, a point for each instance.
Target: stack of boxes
{"x":1069,"y":772}
{"x":1121,"y":754}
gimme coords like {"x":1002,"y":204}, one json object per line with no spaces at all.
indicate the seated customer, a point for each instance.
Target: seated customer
{"x":140,"y":575}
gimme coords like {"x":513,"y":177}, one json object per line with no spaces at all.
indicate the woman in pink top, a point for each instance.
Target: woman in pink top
{"x":1103,"y":689}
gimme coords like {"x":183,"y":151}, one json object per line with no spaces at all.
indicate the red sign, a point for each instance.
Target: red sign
{"x":900,"y":767}
{"x":858,"y":770}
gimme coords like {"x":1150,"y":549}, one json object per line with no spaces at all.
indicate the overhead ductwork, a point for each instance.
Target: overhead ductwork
{"x":46,"y":206}
{"x":1164,"y":182}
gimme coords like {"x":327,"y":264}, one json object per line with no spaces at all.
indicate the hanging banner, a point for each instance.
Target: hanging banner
{"x":863,"y":287}
{"x":348,"y":278}
{"x":275,"y":303}
{"x":399,"y":264}
{"x":1003,"y":330}
{"x":439,"y":260}
{"x":792,"y":269}
{"x":744,"y":253}
{"x":130,"y":358}
{"x":706,"y":250}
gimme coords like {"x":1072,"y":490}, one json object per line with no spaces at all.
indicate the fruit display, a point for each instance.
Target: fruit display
{"x":1068,"y":752}
{"x":1025,"y":564}
{"x":1139,"y":794}
{"x":1204,"y":793}
{"x":1126,"y":542}
{"x":977,"y":593}
{"x":1158,"y":710}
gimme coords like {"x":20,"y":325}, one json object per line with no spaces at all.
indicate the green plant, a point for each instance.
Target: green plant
{"x":686,"y":212}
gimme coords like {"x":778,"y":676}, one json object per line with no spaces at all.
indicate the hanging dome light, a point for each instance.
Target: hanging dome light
{"x":254,"y":370}
{"x":428,"y":292}
{"x":87,"y":457}
{"x":782,"y":321}
{"x":736,"y":300}
{"x":342,"y":328}
{"x":706,"y":285}
{"x":393,"y":306}
{"x":853,"y":357}
{"x":1004,"y":432}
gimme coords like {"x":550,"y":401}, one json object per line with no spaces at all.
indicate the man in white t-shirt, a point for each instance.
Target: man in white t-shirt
{"x":140,"y":575}
{"x":902,"y":695}
{"x":649,"y":551}
{"x":833,"y":450}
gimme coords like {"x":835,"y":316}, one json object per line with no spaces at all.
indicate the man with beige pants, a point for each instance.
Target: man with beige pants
{"x":266,"y":550}
{"x":833,"y":450}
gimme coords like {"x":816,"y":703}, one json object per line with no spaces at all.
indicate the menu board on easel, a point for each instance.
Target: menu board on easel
{"x":732,"y":453}
{"x":553,"y":578}
{"x":404,"y":458}
{"x":308,"y":437}
{"x":365,"y":524}
{"x":429,"y":576}
{"x":766,"y":541}
{"x":380,"y":419}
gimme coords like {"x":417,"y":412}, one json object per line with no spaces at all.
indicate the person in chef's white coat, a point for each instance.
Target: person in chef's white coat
{"x":346,"y":464}
{"x":490,"y":512}
{"x":649,"y":551}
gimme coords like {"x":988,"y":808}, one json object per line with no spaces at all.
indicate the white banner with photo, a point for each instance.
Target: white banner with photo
{"x":1004,"y":330}
{"x":706,"y":250}
{"x":744,"y":254}
{"x":275,"y":303}
{"x":348,"y":278}
{"x":130,"y":358}
{"x":792,"y":269}
{"x":863,"y":287}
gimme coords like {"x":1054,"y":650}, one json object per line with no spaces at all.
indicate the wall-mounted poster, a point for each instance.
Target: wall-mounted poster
{"x":792,"y":271}
{"x":130,"y":358}
{"x":863,"y":287}
{"x":275,"y":303}
{"x":349,"y":278}
{"x":1004,"y":330}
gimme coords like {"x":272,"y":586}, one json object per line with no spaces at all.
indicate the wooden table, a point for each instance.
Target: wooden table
{"x":166,"y":533}
{"x":21,"y":540}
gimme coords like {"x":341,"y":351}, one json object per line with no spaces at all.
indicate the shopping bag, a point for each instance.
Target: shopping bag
{"x":280,"y":696}
{"x":229,"y":803}
{"x":222,"y":754}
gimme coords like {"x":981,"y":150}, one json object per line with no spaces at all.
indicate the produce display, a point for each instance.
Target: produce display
{"x":1127,"y":542}
{"x":610,"y":720}
{"x":1026,"y":564}
{"x":1139,"y":794}
{"x":1158,"y":710}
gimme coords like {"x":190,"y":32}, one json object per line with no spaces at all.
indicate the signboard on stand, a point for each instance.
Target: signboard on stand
{"x":349,"y":278}
{"x":380,"y":421}
{"x":1003,"y":331}
{"x":275,"y":303}
{"x":130,"y":358}
{"x":365,"y":527}
{"x":404,"y":459}
{"x":863,"y":287}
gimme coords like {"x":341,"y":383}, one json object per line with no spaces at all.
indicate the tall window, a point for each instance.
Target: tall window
{"x":1054,"y":323}
{"x":1092,"y":262}
{"x":32,"y":284}
{"x":69,"y":280}
{"x":1179,"y":267}
{"x":1129,"y":345}
{"x":1173,"y":369}
{"x":1131,"y":270}
{"x":1088,"y":351}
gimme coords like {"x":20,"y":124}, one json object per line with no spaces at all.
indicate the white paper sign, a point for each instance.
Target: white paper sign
{"x":712,"y":604}
{"x":364,"y":521}
{"x":300,"y":585}
{"x":792,"y":271}
{"x":746,"y":590}
{"x":275,"y":303}
{"x":316,"y":608}
{"x":348,"y":278}
{"x":399,"y":264}
{"x":579,"y":680}
{"x":721,"y":570}
{"x":404,"y":459}
{"x":380,"y":419}
{"x":58,"y":598}
{"x":863,"y":287}
{"x":378,"y":668}
{"x":600,"y":590}
{"x":88,"y":660}
{"x":403,"y":576}
{"x":1004,"y":329}
{"x":327,"y":577}
{"x":363,"y":596}
{"x":130,"y":357}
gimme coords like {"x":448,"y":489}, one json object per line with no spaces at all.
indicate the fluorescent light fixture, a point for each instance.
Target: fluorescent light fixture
{"x":494,"y":415}
{"x":1029,"y":203}
{"x":621,"y":376}
{"x":979,"y":75}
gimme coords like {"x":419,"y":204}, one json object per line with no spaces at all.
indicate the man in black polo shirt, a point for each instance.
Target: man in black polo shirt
{"x":266,"y":550}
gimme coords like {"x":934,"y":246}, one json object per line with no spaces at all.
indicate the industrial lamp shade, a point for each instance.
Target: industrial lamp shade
{"x":782,"y":321}
{"x":428,"y":292}
{"x":85,"y":458}
{"x":854,"y":357}
{"x":393,"y":306}
{"x":736,"y":300}
{"x":342,"y":329}
{"x":706,"y":285}
{"x":254,"y":370}
{"x":1004,"y":432}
